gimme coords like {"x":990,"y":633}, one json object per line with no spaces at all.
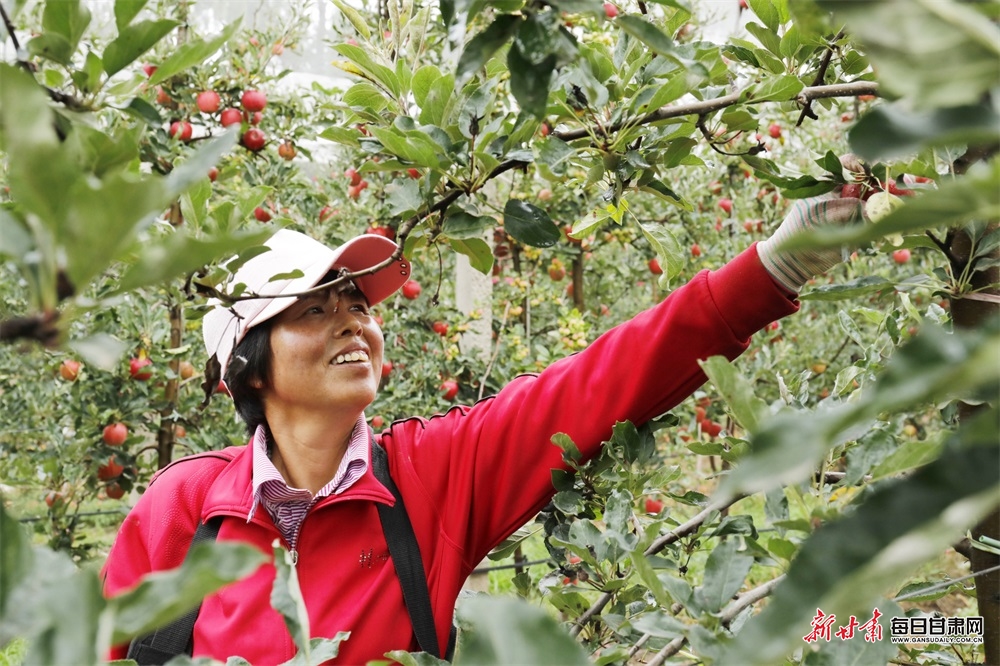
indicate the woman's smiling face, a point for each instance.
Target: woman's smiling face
{"x":326,"y":354}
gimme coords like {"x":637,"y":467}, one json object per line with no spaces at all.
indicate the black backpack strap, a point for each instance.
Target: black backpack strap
{"x":405,"y":555}
{"x":175,"y":638}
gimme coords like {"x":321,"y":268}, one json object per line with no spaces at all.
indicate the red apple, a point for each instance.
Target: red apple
{"x":186,"y":370}
{"x":54,"y":499}
{"x":610,"y":10}
{"x":449,"y":389}
{"x":114,"y":490}
{"x":353,"y":175}
{"x":213,"y":174}
{"x":255,"y":118}
{"x":377,"y":421}
{"x":726,"y":205}
{"x":208,"y":101}
{"x":109,"y":470}
{"x":181,"y":130}
{"x":149,"y":69}
{"x":411,"y":289}
{"x":354,"y":191}
{"x":253,"y":139}
{"x":135,"y":368}
{"x":653,"y":505}
{"x":261,"y":214}
{"x":386,"y":369}
{"x":440,"y":328}
{"x":744,"y":5}
{"x":413,"y":173}
{"x":69,"y":370}
{"x":544,"y":130}
{"x":695,"y":250}
{"x":115,"y":434}
{"x":556,"y":271}
{"x":710,"y":428}
{"x":253,"y":100}
{"x":901,"y":256}
{"x":286,"y":150}
{"x":544,"y":194}
{"x":163,"y":97}
{"x":325,"y":213}
{"x":654,"y":267}
{"x":230,"y":117}
{"x":774,"y":130}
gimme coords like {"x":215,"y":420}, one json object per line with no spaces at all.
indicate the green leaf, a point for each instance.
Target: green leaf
{"x":163,"y":596}
{"x":191,"y":53}
{"x":530,"y":83}
{"x":769,"y":12}
{"x":555,"y":154}
{"x":529,"y":224}
{"x":133,"y":41}
{"x":365,"y":96}
{"x":503,"y":631}
{"x":909,"y":456}
{"x":403,"y":197}
{"x":99,"y":350}
{"x":421,"y":82}
{"x":412,"y":146}
{"x":482,"y":47}
{"x":955,"y":202}
{"x":766,"y":36}
{"x":461,"y":225}
{"x":432,"y":111}
{"x":725,"y":570}
{"x":738,"y":393}
{"x":891,"y":131}
{"x":863,"y":286}
{"x":180,"y":254}
{"x":126,"y":10}
{"x":320,"y":651}
{"x":647,"y":33}
{"x":648,"y":576}
{"x":667,"y":248}
{"x":933,"y":366}
{"x":934,"y":53}
{"x":374,"y":70}
{"x":774,"y":89}
{"x":355,"y":17}
{"x":88,"y":77}
{"x":286,"y":598}
{"x":16,"y":558}
{"x":63,"y":24}
{"x":846,"y":565}
{"x":477,"y":250}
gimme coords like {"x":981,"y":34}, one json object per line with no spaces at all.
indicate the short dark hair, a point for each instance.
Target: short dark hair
{"x":251,"y":364}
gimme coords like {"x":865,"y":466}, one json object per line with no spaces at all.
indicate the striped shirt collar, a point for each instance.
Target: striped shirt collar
{"x":271,"y":489}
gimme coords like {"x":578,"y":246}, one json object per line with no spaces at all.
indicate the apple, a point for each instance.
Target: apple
{"x":653,"y":506}
{"x":163,"y":97}
{"x":386,"y":369}
{"x":818,"y":367}
{"x":54,"y":499}
{"x":255,"y":118}
{"x":135,"y":368}
{"x":261,"y":214}
{"x":230,"y":117}
{"x":411,"y":289}
{"x":744,"y":5}
{"x":695,"y":250}
{"x":610,"y":10}
{"x":901,"y":256}
{"x":115,"y":434}
{"x":774,"y":130}
{"x":377,"y":421}
{"x":449,"y":389}
{"x":898,"y":191}
{"x":440,"y":328}
{"x":544,"y":194}
{"x":413,"y":173}
{"x":114,"y":490}
{"x":286,"y":151}
{"x":149,"y":69}
{"x":544,"y":130}
{"x":69,"y":370}
{"x":181,"y":130}
{"x":278,"y":48}
{"x":379,"y":230}
{"x":354,"y":191}
{"x":654,"y":267}
{"x":325,"y":213}
{"x":866,"y":98}
{"x":556,"y":271}
{"x":208,"y":101}
{"x":715,"y":187}
{"x":253,"y":100}
{"x":110,"y":470}
{"x":213,"y":174}
{"x":851,"y":191}
{"x":353,"y":175}
{"x":180,"y":431}
{"x":700,"y":414}
{"x":726,"y":205}
{"x":253,"y":139}
{"x":710,"y":427}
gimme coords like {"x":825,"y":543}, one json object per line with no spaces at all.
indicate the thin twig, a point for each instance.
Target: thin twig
{"x":669,"y":650}
{"x":807,"y":111}
{"x":730,"y":612}
{"x":10,"y":28}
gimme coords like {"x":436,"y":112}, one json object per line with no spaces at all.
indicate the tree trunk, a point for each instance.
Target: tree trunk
{"x":972,"y":314}
{"x":166,"y":436}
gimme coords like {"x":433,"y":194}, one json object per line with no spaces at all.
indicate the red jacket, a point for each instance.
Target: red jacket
{"x":469,"y":478}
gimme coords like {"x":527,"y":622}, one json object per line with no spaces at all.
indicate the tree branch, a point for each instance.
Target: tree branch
{"x":750,"y":597}
{"x":669,"y":650}
{"x":807,"y":111}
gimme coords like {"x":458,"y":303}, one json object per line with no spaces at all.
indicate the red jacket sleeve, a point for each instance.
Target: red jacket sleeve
{"x":486,"y":469}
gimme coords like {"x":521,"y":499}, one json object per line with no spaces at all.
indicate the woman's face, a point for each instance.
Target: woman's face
{"x":326,"y":355}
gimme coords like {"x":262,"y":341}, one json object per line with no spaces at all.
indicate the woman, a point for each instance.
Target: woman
{"x":302,"y":370}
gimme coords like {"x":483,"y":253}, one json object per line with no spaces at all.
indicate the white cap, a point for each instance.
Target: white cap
{"x":293,"y":252}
